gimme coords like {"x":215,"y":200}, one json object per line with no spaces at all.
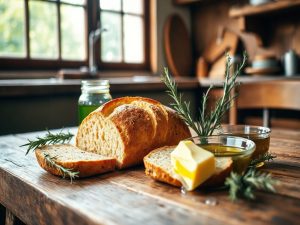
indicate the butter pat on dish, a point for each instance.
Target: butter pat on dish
{"x":192,"y":164}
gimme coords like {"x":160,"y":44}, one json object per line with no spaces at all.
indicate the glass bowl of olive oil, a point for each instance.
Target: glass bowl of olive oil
{"x":259,"y":135}
{"x":238,"y":148}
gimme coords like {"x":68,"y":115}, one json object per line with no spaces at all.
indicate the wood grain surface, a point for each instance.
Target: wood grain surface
{"x":129,"y":197}
{"x":11,"y":219}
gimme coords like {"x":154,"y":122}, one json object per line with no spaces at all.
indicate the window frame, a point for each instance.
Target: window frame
{"x":123,"y":65}
{"x":92,"y":18}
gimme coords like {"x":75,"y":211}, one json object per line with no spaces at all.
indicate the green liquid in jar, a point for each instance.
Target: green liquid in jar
{"x":239,"y":158}
{"x":85,"y":110}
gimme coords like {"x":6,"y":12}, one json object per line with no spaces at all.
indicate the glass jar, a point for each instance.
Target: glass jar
{"x":94,"y":93}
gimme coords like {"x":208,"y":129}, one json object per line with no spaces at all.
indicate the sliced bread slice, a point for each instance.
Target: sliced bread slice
{"x":73,"y":158}
{"x":158,"y":166}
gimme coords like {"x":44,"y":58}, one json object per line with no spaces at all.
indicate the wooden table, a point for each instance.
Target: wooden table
{"x":129,"y":197}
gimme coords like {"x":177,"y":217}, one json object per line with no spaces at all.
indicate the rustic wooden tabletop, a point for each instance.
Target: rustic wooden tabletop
{"x":129,"y":197}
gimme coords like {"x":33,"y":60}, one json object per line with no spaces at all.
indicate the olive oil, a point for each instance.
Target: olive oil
{"x":261,"y":141}
{"x":239,"y":158}
{"x":259,"y":135}
{"x":85,"y":110}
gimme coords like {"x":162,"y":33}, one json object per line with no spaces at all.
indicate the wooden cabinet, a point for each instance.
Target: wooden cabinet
{"x":276,"y":24}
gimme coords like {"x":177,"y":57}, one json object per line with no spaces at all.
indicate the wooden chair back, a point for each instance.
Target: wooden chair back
{"x":278,"y":94}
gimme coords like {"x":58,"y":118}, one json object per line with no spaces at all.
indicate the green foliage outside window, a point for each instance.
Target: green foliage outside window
{"x":12,"y":28}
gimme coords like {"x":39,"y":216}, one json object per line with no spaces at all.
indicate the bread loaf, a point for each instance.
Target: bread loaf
{"x":158,"y":166}
{"x":70,"y":157}
{"x":129,"y":128}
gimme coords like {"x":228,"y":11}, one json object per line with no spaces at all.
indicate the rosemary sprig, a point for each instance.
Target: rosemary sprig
{"x":182,"y":107}
{"x":49,"y":139}
{"x":208,"y":121}
{"x":267,"y":157}
{"x":65,"y":172}
{"x":246,"y":184}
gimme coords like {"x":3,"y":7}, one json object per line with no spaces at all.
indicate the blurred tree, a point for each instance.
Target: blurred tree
{"x":12,"y":28}
{"x":43,"y":29}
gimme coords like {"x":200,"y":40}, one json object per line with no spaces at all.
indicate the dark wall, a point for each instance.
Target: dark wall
{"x":25,"y":114}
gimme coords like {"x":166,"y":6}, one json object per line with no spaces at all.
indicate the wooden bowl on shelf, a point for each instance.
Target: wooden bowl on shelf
{"x":262,"y":71}
{"x":263,"y":65}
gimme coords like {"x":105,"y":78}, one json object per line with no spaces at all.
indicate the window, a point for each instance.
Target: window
{"x":124,"y":43}
{"x":53,"y":34}
{"x":42,"y":34}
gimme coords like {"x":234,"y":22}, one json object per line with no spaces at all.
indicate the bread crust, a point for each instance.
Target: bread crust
{"x":137,"y":131}
{"x":143,"y":124}
{"x":177,"y":129}
{"x":107,"y":108}
{"x":85,"y":168}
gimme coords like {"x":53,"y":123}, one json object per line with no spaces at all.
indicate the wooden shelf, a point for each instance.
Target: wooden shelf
{"x":186,"y":2}
{"x":250,"y":10}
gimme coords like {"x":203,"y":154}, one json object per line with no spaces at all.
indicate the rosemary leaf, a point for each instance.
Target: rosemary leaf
{"x":50,"y":138}
{"x":261,"y":159}
{"x":179,"y":105}
{"x":246,"y":184}
{"x":65,"y":172}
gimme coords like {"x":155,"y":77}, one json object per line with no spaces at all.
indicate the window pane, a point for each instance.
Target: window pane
{"x":111,"y":47}
{"x":111,"y":5}
{"x":72,"y":32}
{"x":43,"y":30}
{"x":12,"y":28}
{"x":133,"y":6}
{"x":77,"y":2}
{"x":133,"y":39}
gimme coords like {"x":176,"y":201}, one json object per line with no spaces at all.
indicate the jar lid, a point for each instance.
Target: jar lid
{"x":95,"y":86}
{"x":95,"y":83}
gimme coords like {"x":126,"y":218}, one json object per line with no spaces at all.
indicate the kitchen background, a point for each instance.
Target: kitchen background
{"x":45,"y":52}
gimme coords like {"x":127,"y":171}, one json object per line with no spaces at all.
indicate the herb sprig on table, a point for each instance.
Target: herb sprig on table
{"x":49,"y":139}
{"x":267,"y":157}
{"x":207,"y":121}
{"x":245,"y":185}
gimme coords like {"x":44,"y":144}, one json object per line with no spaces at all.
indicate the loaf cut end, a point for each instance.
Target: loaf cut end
{"x":97,"y":134}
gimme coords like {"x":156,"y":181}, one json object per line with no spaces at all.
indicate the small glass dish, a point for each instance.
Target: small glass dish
{"x":259,"y":135}
{"x":238,"y":148}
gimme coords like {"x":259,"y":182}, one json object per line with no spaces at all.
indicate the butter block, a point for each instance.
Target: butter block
{"x":192,"y":164}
